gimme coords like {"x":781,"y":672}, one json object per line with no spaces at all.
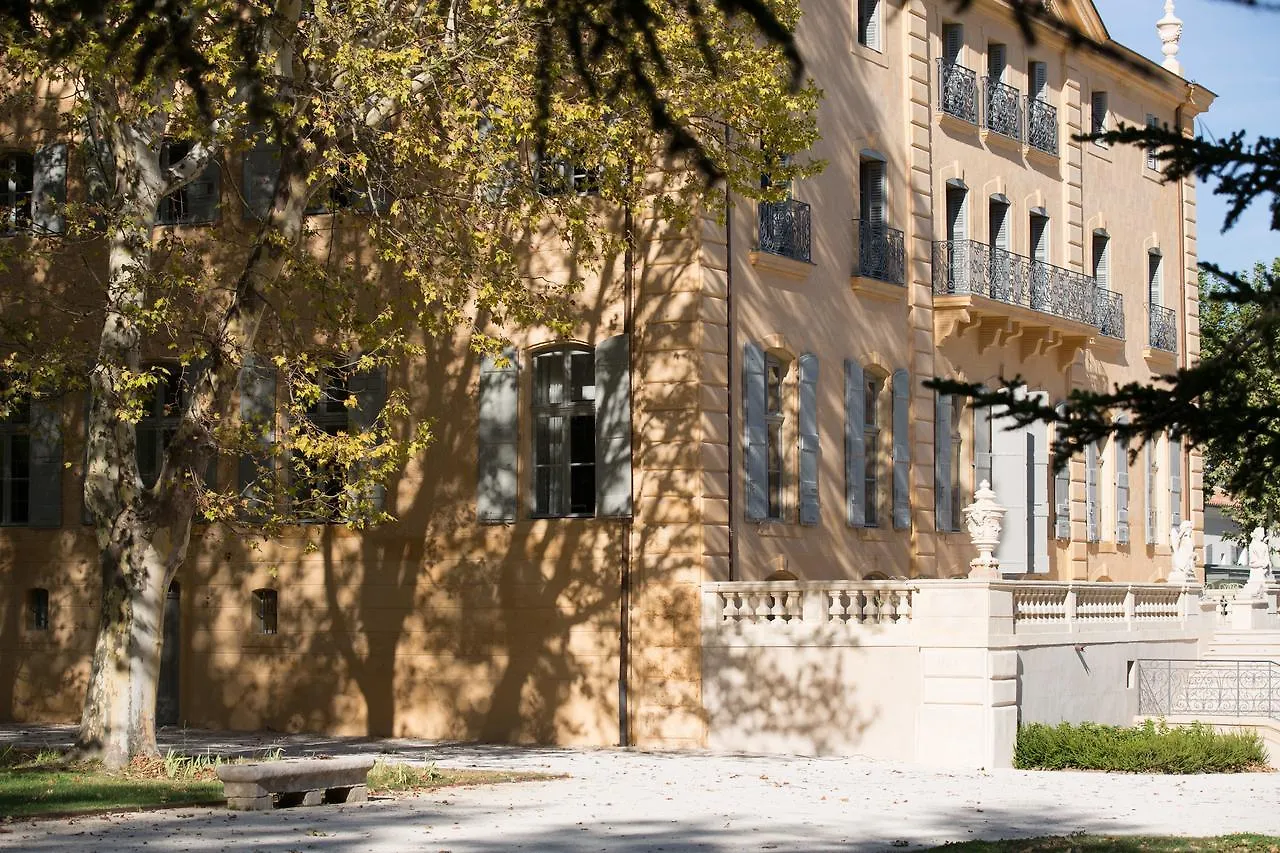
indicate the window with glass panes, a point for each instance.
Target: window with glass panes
{"x":957,"y":445}
{"x":871,"y":443}
{"x":266,"y":608}
{"x":318,"y":486}
{"x":196,"y":201}
{"x":38,"y":609}
{"x":775,"y":417}
{"x":17,"y":176}
{"x":15,"y":466}
{"x":159,"y":421}
{"x":564,"y":432}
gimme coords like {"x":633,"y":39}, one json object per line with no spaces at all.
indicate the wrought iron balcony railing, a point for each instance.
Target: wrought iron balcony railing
{"x":957,"y":91}
{"x":1110,"y":313}
{"x":1162,"y":328}
{"x":967,"y":266}
{"x":1004,"y":109}
{"x":880,"y":252}
{"x":784,"y":228}
{"x":1042,"y":125}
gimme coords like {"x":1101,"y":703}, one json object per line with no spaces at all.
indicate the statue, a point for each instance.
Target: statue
{"x":983,"y":518}
{"x":1182,"y":538}
{"x":1259,"y":566}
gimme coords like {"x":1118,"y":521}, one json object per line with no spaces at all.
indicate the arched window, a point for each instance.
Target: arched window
{"x":266,"y":611}
{"x":564,"y":432}
{"x":17,"y":177}
{"x":38,"y":609}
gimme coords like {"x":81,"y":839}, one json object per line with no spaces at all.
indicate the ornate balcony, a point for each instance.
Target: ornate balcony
{"x":1110,"y":314}
{"x":1004,"y":109}
{"x":1009,"y":297}
{"x":957,"y":91}
{"x":785,"y":229}
{"x":1042,"y":126}
{"x":1162,"y":328}
{"x":880,"y":253}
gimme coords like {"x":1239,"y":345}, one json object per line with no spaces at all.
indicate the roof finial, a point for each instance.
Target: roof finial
{"x":1170,"y":29}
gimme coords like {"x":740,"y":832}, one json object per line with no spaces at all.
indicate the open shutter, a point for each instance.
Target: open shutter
{"x":901,"y":449}
{"x":1102,"y":261}
{"x":1039,"y":80}
{"x":369,"y":387}
{"x":49,"y":189}
{"x":873,"y":193}
{"x":982,"y":424}
{"x":855,"y":448}
{"x":755,"y":431}
{"x":1038,"y":486}
{"x":1122,"y":490}
{"x":809,"y":502}
{"x":613,"y":427}
{"x":999,"y":225}
{"x":1175,"y":482}
{"x":1098,"y":115}
{"x":257,"y":409}
{"x":869,"y":23}
{"x":1011,"y":480}
{"x":1149,"y":460}
{"x":952,"y":42}
{"x":496,"y":439}
{"x":1092,"y":531}
{"x":942,"y":461}
{"x":1040,"y":237}
{"x":45,"y":465}
{"x":261,"y":169}
{"x":995,"y":62}
{"x":1155,"y":279}
{"x":1062,"y":499}
{"x":203,"y":193}
{"x":957,"y":214}
{"x":1152,"y":162}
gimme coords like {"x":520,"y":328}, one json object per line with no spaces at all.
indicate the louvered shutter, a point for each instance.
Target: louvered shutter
{"x":613,"y":427}
{"x":261,"y":169}
{"x":257,"y":410}
{"x":995,"y":62}
{"x":1149,"y":459}
{"x":1062,"y":498}
{"x":942,"y":462}
{"x":1098,"y":114}
{"x":999,"y":225}
{"x":369,"y":387}
{"x":1040,"y":238}
{"x":755,"y":432}
{"x":810,"y":508}
{"x":1102,"y":261}
{"x":873,"y":193}
{"x":1038,"y":486}
{"x":952,"y":42}
{"x":1039,"y":80}
{"x":1122,"y":489}
{"x":202,"y":194}
{"x":1175,"y":482}
{"x":1155,"y":279}
{"x":957,"y":214}
{"x":1152,"y":162}
{"x":1092,"y":531}
{"x":45,"y":465}
{"x":901,"y":449}
{"x":1011,"y":460}
{"x":49,"y":189}
{"x":855,"y":448}
{"x":499,"y":416}
{"x":869,"y":23}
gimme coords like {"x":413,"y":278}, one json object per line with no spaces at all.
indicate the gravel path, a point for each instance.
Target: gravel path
{"x":619,"y":800}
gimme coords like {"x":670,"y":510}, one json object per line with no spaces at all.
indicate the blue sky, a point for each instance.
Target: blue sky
{"x":1231,"y":50}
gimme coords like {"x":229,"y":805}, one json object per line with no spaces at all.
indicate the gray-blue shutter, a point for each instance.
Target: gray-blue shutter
{"x":1175,"y":482}
{"x":901,"y":449}
{"x":942,"y":462}
{"x":613,"y":428}
{"x":259,"y":173}
{"x":203,"y":194}
{"x":369,"y":387}
{"x":49,"y":189}
{"x":810,"y":505}
{"x":497,"y":435}
{"x":756,"y":437}
{"x":1092,"y":526}
{"x":1122,"y":488}
{"x":45,"y":465}
{"x":1149,"y":457}
{"x":257,"y":409}
{"x":855,"y":447}
{"x":1062,"y":497}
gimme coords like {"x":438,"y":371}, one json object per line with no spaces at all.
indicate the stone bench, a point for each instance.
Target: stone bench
{"x":296,"y":782}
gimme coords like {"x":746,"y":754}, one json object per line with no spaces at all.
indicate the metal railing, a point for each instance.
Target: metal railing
{"x":881,"y":254}
{"x":1004,"y":109}
{"x":1230,"y":688}
{"x":1162,"y":328}
{"x":967,"y":266}
{"x":957,"y":91}
{"x":1042,"y":125}
{"x":1109,"y":313}
{"x":784,"y":228}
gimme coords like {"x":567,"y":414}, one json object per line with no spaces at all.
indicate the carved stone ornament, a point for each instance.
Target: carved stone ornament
{"x":983,"y":517}
{"x":1259,"y":566}
{"x":1183,"y":538}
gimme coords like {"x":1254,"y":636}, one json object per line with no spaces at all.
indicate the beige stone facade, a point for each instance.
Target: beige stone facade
{"x":588,"y":630}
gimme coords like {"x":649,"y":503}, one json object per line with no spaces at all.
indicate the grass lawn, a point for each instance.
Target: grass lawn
{"x":34,"y":784}
{"x":1243,"y":843}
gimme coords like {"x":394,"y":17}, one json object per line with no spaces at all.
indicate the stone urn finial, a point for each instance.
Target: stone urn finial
{"x":1170,"y":29}
{"x":983,"y":518}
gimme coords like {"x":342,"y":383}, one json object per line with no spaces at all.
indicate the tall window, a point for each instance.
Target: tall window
{"x":266,"y":610}
{"x":567,"y":177}
{"x":197,"y":201}
{"x":1038,"y":225}
{"x":957,"y":447}
{"x":952,"y":42}
{"x":1038,"y":77}
{"x":775,"y":418}
{"x":564,"y":432}
{"x":15,"y":466}
{"x":1155,"y":279}
{"x":869,"y":24}
{"x":159,"y":421}
{"x":38,"y":609}
{"x":996,"y":61}
{"x":1102,"y":259}
{"x":871,"y":441}
{"x":1001,"y":271}
{"x":317,"y":484}
{"x":17,"y":176}
{"x":1098,"y":116}
{"x":871,"y":187}
{"x":1152,"y":162}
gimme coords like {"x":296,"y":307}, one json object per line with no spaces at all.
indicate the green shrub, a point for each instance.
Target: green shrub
{"x":1150,"y":748}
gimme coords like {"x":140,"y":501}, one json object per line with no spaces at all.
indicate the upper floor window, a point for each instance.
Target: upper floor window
{"x":871,"y":202}
{"x":1037,"y":80}
{"x":564,"y":432}
{"x":1149,"y":152}
{"x":266,"y":610}
{"x":567,"y":177}
{"x":159,"y":420}
{"x":38,"y":609}
{"x":15,"y":466}
{"x":869,"y":23}
{"x":775,"y":418}
{"x":952,"y":43}
{"x":1098,"y":116}
{"x":17,"y":178}
{"x":1155,"y":278}
{"x":873,"y":397}
{"x":997,"y":60}
{"x":194,"y":203}
{"x":318,"y":482}
{"x":1102,"y":259}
